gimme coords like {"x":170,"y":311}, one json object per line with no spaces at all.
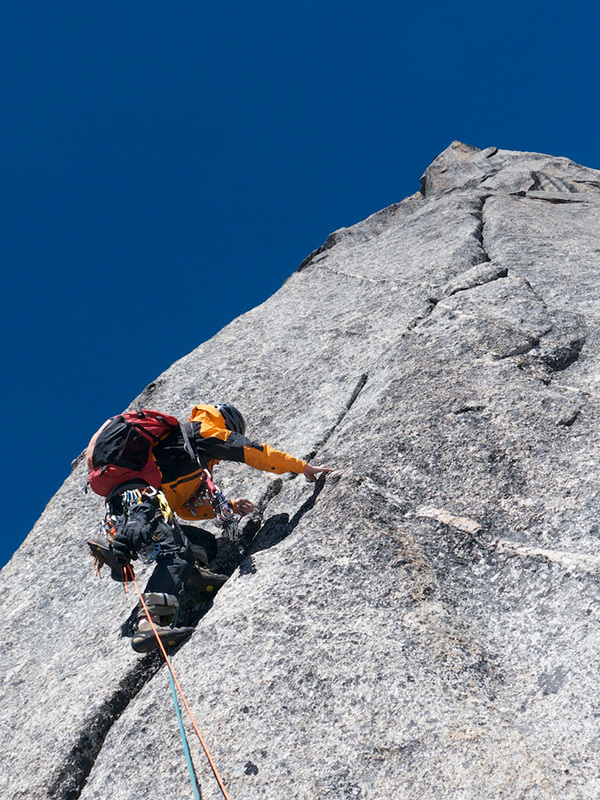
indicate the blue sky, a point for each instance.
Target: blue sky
{"x":155,"y":151}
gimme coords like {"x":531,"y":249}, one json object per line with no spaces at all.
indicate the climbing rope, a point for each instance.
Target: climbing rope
{"x":186,"y":747}
{"x":182,"y":733}
{"x":213,"y":766}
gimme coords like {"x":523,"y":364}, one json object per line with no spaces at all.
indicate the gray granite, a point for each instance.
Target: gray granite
{"x":424,"y":623}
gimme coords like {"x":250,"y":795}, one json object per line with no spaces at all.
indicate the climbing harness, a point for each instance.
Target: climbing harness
{"x":108,"y":527}
{"x":129,"y":576}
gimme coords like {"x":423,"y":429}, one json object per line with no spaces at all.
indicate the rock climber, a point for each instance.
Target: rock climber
{"x":149,"y":466}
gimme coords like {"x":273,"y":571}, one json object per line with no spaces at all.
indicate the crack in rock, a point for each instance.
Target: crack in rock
{"x":554,"y":189}
{"x":477,"y":275}
{"x":231,"y":556}
{"x":568,"y":416}
{"x":72,"y":775}
{"x":386,"y":279}
{"x":480,"y":229}
{"x":543,"y":182}
{"x":593,"y":184}
{"x":547,"y":340}
{"x":424,"y":314}
{"x":256,"y":518}
{"x":521,"y":348}
{"x":560,"y":345}
{"x":468,"y":408}
{"x":280,"y":526}
{"x":362,"y":381}
{"x":554,"y":199}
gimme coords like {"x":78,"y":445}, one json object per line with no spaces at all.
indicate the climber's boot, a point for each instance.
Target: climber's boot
{"x":205,"y":580}
{"x":199,"y":553}
{"x":162,"y":608}
{"x":201,"y":577}
{"x":102,"y":551}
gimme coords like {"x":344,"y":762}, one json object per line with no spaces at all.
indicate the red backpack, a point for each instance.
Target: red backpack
{"x":122,"y":449}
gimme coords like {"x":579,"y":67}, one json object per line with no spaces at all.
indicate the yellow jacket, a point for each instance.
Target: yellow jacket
{"x":212,"y":442}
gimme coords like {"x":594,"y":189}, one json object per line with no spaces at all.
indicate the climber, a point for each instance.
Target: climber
{"x":148,"y":465}
{"x":215,"y":433}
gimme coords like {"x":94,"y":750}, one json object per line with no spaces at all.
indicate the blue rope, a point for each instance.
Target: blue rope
{"x":186,"y":748}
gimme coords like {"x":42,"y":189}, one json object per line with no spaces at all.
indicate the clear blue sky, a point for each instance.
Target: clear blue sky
{"x":151,"y":150}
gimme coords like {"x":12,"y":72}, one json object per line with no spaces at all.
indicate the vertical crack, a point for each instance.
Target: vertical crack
{"x":480,"y":227}
{"x":474,"y":275}
{"x":325,"y":438}
{"x":256,"y":519}
{"x":70,"y":778}
{"x":256,"y":522}
{"x":280,"y":526}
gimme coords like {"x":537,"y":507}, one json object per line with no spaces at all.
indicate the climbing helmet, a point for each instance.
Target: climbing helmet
{"x":234,"y":421}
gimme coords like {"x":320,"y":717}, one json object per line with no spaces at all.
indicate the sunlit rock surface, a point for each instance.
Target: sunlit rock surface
{"x":423,"y":625}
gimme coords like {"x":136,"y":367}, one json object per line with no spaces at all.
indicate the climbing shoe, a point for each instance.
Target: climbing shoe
{"x":205,"y":580}
{"x":200,"y":555}
{"x":102,"y":551}
{"x":145,"y":640}
{"x":162,"y":609}
{"x":203,"y":544}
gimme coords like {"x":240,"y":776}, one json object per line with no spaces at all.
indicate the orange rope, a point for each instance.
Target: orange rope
{"x":179,"y":689}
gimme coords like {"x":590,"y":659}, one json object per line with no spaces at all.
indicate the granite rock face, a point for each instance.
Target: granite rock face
{"x":424,"y":623}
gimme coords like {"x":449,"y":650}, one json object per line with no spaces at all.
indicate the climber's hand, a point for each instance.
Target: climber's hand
{"x":243,"y":506}
{"x":121,"y":550}
{"x":310,"y":472}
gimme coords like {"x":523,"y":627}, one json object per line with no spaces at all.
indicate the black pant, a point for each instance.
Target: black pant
{"x":173,"y":566}
{"x":173,"y":563}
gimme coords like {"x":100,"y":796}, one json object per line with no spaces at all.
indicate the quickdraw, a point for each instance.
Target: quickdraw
{"x":225,"y":516}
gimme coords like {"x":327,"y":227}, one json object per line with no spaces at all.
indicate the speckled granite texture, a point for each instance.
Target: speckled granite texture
{"x":424,"y":624}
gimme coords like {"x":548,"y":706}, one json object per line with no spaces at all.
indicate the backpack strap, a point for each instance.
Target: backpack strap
{"x":186,"y":430}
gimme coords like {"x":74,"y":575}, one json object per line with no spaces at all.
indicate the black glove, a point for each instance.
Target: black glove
{"x":136,"y":531}
{"x":121,"y":549}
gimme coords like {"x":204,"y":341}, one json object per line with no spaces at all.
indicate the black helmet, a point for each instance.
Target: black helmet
{"x":233,"y":419}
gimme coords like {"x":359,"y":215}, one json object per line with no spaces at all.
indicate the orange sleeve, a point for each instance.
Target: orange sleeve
{"x":271,"y":460}
{"x":215,"y":441}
